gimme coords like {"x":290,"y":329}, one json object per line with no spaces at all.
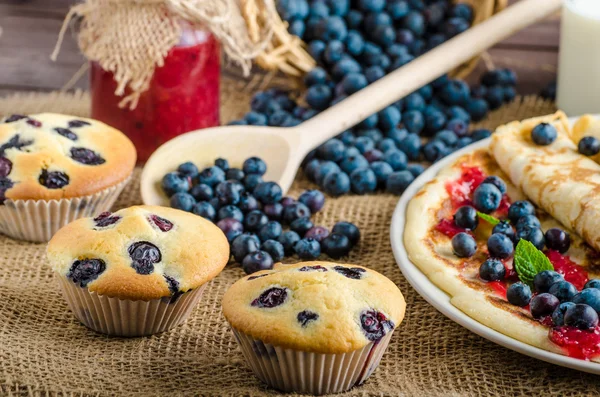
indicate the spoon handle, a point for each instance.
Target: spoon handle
{"x":421,"y":71}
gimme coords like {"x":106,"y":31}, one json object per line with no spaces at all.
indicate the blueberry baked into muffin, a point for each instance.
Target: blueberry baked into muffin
{"x":55,"y":168}
{"x":137,"y":271}
{"x":314,"y":327}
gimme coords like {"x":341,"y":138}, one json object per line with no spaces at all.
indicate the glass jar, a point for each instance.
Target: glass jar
{"x":183,"y":95}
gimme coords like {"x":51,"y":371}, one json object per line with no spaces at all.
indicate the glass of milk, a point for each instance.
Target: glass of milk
{"x":579,"y":60}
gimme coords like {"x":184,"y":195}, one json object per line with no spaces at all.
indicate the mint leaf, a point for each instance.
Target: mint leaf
{"x":488,"y":218}
{"x":529,"y":261}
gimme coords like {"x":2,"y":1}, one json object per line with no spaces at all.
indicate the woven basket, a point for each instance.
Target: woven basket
{"x":484,"y":9}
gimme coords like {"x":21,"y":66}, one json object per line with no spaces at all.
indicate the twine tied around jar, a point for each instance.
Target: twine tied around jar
{"x":130,"y":38}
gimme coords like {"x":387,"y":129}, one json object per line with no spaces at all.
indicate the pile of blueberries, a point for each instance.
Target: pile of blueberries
{"x":355,"y":43}
{"x":252,"y":213}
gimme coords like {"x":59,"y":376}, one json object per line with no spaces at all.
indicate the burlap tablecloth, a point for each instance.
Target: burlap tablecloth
{"x":45,"y":350}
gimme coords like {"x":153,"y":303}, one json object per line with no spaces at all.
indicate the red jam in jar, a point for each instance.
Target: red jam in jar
{"x":183,"y":95}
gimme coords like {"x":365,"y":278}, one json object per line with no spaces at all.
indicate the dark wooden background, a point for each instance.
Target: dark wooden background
{"x":30,"y":29}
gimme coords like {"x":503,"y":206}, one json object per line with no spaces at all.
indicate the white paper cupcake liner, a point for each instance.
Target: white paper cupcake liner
{"x":38,"y":220}
{"x":297,"y":371}
{"x":118,"y":317}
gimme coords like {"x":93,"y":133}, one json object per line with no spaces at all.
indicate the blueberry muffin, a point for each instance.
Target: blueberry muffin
{"x":137,"y":271}
{"x":296,"y":317}
{"x":56,"y":168}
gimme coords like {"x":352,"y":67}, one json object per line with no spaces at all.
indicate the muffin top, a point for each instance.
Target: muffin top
{"x":315,"y":306}
{"x":53,"y":156}
{"x":139,"y":253}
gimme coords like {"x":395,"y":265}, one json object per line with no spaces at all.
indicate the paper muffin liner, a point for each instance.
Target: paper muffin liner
{"x":298,"y":371}
{"x":121,"y":317}
{"x":38,"y":220}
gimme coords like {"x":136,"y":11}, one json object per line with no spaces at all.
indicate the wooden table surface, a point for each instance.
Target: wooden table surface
{"x":30,"y":29}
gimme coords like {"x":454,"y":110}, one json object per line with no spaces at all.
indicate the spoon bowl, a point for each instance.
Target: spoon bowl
{"x":234,"y":143}
{"x":284,"y":148}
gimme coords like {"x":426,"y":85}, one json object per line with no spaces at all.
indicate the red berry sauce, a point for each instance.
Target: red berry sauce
{"x":460,"y":190}
{"x":577,"y":343}
{"x":183,"y":96}
{"x":570,"y":270}
{"x":499,"y":288}
{"x":449,"y":228}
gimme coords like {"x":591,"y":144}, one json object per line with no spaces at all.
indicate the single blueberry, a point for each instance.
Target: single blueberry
{"x":589,"y":146}
{"x":354,"y":273}
{"x":67,"y":133}
{"x":544,"y":134}
{"x":389,"y":118}
{"x":243,"y":245}
{"x":581,"y":316}
{"x":84,"y":271}
{"x":271,"y":297}
{"x":318,"y":233}
{"x":455,"y":92}
{"x":324,"y":169}
{"x":295,"y":211}
{"x":273,"y":211}
{"x":364,"y":144}
{"x":107,"y":218}
{"x":274,"y":249}
{"x":254,"y":165}
{"x":222,"y":164}
{"x":466,"y":218}
{"x":353,"y":82}
{"x":375,"y":325}
{"x":306,"y":316}
{"x":270,"y":231}
{"x":532,"y":234}
{"x":319,"y":96}
{"x":415,"y":22}
{"x":301,"y":226}
{"x":448,"y":137}
{"x":205,"y":210}
{"x":398,"y":181}
{"x":234,"y":174}
{"x":478,"y":108}
{"x":255,"y":220}
{"x":545,"y":279}
{"x":86,"y":156}
{"x":492,"y":270}
{"x":332,"y":150}
{"x":434,"y":151}
{"x":496,"y":181}
{"x":480,"y":134}
{"x":313,"y":199}
{"x":307,"y":249}
{"x":519,"y":209}
{"x":353,"y":163}
{"x":336,"y":183}
{"x":144,"y":255}
{"x":336,"y":245}
{"x":397,"y":159}
{"x":374,"y":73}
{"x":257,"y":261}
{"x":230,"y":211}
{"x":268,"y":192}
{"x":211,"y":176}
{"x":500,"y":246}
{"x":382,"y":171}
{"x":543,"y":305}
{"x":415,"y":169}
{"x":563,"y":290}
{"x":558,"y":316}
{"x":251,"y":181}
{"x":229,"y":192}
{"x":53,"y":179}
{"x":459,"y":126}
{"x":519,"y":294}
{"x":487,"y":197}
{"x":411,"y":146}
{"x":593,"y":283}
{"x":288,"y":240}
{"x":174,"y":182}
{"x":363,"y":181}
{"x":505,"y":228}
{"x":202,"y":192}
{"x":589,"y":296}
{"x":182,"y":201}
{"x":229,"y":225}
{"x":557,"y":239}
{"x":463,"y":245}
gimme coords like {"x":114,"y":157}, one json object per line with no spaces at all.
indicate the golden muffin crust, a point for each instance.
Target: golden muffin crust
{"x":318,"y":307}
{"x":40,"y":146}
{"x":139,"y":253}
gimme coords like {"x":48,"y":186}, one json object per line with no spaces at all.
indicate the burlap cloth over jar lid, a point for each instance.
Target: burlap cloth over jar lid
{"x":45,"y":351}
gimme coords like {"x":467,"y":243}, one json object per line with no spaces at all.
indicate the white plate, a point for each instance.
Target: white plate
{"x":439,"y":299}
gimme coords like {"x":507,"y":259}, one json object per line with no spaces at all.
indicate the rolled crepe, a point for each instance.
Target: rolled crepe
{"x":556,"y":177}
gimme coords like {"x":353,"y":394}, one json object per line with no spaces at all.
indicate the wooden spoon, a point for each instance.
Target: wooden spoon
{"x":284,"y":148}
